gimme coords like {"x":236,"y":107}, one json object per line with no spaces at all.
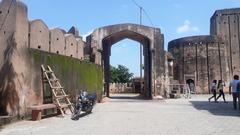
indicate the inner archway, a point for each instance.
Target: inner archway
{"x":99,"y":45}
{"x":116,"y":37}
{"x":125,"y":68}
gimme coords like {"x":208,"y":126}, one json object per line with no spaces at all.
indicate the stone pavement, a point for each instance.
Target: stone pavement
{"x":122,"y":115}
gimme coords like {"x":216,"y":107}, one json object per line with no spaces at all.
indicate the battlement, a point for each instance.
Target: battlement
{"x":37,"y":34}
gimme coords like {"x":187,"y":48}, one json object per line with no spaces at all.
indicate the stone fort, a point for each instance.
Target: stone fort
{"x":26,"y":44}
{"x":208,"y":57}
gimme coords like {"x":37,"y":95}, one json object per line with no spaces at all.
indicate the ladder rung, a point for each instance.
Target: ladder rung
{"x":57,"y":87}
{"x":48,"y":71}
{"x":62,"y":96}
{"x":65,"y":105}
{"x":53,"y":80}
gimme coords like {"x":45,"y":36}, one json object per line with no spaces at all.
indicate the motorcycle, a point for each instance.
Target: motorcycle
{"x":84,"y":103}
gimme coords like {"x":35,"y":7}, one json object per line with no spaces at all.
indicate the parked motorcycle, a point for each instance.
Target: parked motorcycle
{"x":84,"y":104}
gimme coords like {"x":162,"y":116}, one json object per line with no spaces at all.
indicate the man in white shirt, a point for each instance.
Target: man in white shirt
{"x":234,"y":91}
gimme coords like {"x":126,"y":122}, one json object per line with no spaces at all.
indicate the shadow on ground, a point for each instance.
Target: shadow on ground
{"x":80,"y":116}
{"x":220,"y":108}
{"x":125,"y":96}
{"x":1,"y":128}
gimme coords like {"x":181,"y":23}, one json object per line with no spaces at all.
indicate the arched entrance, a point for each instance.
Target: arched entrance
{"x":102,"y":39}
{"x":191,"y":84}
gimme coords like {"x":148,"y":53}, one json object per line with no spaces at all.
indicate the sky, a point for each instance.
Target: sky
{"x":175,"y":18}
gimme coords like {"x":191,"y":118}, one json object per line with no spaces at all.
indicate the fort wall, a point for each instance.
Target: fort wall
{"x":24,"y":46}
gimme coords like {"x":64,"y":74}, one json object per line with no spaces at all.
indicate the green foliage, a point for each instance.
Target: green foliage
{"x":120,"y":74}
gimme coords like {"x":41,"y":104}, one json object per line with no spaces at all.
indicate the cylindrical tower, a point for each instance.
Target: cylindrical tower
{"x":199,"y":59}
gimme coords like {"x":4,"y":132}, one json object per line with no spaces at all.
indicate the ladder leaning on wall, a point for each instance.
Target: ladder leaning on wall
{"x":59,"y":96}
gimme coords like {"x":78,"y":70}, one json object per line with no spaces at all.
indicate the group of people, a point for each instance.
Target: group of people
{"x":234,"y":90}
{"x":217,"y":86}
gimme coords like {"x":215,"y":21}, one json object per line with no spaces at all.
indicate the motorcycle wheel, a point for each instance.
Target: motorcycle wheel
{"x":76,"y":113}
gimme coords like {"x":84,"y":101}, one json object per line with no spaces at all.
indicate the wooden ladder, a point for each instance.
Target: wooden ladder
{"x":60,"y":98}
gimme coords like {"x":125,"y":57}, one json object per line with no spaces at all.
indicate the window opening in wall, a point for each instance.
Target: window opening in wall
{"x":0,"y":12}
{"x":71,"y":44}
{"x":4,"y":32}
{"x":8,"y":11}
{"x":39,"y":46}
{"x":225,"y":22}
{"x":57,"y":52}
{"x":234,"y":21}
{"x":71,"y":55}
{"x":40,"y":31}
{"x":235,"y":35}
{"x":57,"y":39}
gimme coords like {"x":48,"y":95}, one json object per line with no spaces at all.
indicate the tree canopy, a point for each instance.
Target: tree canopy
{"x":120,"y":74}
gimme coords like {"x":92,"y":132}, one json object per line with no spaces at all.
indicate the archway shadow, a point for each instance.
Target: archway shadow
{"x":127,"y":97}
{"x":220,"y":108}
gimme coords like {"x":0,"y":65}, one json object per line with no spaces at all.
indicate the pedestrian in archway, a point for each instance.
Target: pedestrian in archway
{"x":235,"y":91}
{"x":213,"y":91}
{"x":220,"y":90}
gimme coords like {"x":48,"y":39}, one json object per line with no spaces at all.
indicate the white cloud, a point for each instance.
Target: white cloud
{"x":87,"y":34}
{"x":187,"y":27}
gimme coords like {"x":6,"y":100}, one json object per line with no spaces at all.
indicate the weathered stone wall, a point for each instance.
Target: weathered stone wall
{"x":225,"y":23}
{"x":200,"y":58}
{"x":24,"y":45}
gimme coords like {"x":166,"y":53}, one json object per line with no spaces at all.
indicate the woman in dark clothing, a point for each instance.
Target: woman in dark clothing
{"x":220,"y":89}
{"x":213,"y":90}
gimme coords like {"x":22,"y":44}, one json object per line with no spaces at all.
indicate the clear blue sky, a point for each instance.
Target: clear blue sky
{"x":176,"y":18}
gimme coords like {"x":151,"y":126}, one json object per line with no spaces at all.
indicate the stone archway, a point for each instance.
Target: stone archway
{"x":101,"y":40}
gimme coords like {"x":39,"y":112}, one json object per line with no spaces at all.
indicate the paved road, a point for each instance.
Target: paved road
{"x":141,"y":117}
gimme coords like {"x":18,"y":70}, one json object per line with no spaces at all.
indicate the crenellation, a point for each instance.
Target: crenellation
{"x":39,"y":35}
{"x":80,"y":48}
{"x":57,"y":40}
{"x":71,"y":45}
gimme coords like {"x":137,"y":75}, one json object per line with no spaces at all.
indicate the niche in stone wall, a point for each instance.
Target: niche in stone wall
{"x":39,"y":35}
{"x":71,"y":45}
{"x":57,"y":40}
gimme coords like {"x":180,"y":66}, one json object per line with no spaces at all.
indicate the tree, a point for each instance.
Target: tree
{"x":120,"y":74}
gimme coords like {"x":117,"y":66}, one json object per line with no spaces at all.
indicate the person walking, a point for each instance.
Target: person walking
{"x":234,"y":90}
{"x":220,"y":89}
{"x":213,"y":90}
